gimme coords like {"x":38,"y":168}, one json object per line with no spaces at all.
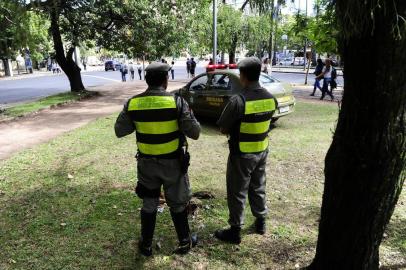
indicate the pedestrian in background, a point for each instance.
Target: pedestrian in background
{"x":123,"y":70}
{"x":318,"y":70}
{"x":326,"y":76}
{"x":172,"y":70}
{"x":188,"y":67}
{"x":132,"y":71}
{"x":192,"y":67}
{"x":265,"y":66}
{"x":53,"y":68}
{"x":139,"y":69}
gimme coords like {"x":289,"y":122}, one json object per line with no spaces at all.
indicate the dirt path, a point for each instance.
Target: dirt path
{"x":50,"y":123}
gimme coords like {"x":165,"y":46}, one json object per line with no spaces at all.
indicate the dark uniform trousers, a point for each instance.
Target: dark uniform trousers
{"x":154,"y":173}
{"x":246,"y":176}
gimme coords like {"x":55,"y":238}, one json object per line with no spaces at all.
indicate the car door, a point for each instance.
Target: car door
{"x":192,"y":93}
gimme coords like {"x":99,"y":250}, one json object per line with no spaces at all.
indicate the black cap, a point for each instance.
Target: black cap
{"x":158,"y":67}
{"x":250,"y":62}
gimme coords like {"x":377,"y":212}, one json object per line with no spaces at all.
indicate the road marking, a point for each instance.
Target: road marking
{"x":99,"y":77}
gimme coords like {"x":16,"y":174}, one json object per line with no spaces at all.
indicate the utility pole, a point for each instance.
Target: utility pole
{"x":305,"y":47}
{"x":214,"y":31}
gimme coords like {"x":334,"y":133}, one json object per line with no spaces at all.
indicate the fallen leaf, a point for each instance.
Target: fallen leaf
{"x":70,"y":176}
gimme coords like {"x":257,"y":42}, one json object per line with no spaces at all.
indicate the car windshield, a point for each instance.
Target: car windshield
{"x":266,"y":79}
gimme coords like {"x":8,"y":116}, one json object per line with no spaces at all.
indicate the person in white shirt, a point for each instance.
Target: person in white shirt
{"x":139,"y":69}
{"x":326,"y":75}
{"x":132,"y":71}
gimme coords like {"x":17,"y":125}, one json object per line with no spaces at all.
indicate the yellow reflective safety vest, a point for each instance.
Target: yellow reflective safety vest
{"x":259,"y":106}
{"x":156,"y":124}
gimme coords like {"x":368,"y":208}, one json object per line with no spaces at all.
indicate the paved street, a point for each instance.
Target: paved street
{"x":20,"y":90}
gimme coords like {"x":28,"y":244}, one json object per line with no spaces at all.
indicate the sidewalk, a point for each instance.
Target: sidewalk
{"x":298,"y":70}
{"x":50,"y":123}
{"x":301,"y":91}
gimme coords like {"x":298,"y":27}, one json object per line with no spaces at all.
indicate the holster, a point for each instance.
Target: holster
{"x":184,"y":160}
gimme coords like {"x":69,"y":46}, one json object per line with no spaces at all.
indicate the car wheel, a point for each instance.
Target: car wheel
{"x":106,"y":69}
{"x":273,"y":120}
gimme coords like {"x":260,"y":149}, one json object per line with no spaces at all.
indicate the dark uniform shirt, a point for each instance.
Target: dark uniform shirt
{"x":188,"y":124}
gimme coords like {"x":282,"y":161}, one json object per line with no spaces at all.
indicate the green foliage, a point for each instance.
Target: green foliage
{"x":12,"y":34}
{"x":229,"y":23}
{"x":22,"y":30}
{"x":256,"y":32}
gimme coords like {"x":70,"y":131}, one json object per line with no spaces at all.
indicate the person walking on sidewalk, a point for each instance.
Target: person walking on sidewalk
{"x":192,"y":67}
{"x":161,"y":121}
{"x":318,"y":70}
{"x":132,"y":71}
{"x":172,"y":70}
{"x":188,"y":67}
{"x":246,"y":119}
{"x":326,"y":76}
{"x":139,"y":69}
{"x":124,"y":71}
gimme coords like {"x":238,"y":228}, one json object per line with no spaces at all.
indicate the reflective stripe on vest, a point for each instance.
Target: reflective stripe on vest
{"x":156,"y":124}
{"x":254,"y":126}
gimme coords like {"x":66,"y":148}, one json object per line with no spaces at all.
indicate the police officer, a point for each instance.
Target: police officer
{"x":161,"y":122}
{"x":246,"y":119}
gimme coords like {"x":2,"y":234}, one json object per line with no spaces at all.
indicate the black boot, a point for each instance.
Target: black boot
{"x":260,"y":226}
{"x":186,"y":239}
{"x":147,"y":232}
{"x":231,"y":235}
{"x":314,"y":91}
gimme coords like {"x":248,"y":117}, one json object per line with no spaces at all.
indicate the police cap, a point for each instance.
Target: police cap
{"x":250,"y":63}
{"x":157,"y":67}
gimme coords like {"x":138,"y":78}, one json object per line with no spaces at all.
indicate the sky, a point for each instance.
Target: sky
{"x":291,"y":8}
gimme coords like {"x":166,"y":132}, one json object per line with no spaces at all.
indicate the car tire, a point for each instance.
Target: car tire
{"x":273,"y":120}
{"x":106,"y":69}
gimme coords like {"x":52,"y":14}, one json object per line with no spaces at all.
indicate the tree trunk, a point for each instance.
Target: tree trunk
{"x":67,"y":64}
{"x":231,"y":53}
{"x":365,"y":165}
{"x":233,"y":48}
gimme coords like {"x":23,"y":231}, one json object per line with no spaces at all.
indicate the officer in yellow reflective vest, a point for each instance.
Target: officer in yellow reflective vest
{"x":246,"y":119}
{"x":160,"y":121}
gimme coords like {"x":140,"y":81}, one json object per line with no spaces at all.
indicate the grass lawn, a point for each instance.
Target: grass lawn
{"x":69,"y":203}
{"x":43,"y":103}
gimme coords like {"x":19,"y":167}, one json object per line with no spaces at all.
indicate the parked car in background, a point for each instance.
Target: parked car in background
{"x":286,"y":61}
{"x":298,"y":61}
{"x":109,"y":65}
{"x":117,"y":66}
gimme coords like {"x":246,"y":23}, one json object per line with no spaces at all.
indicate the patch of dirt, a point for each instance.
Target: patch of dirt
{"x":25,"y":132}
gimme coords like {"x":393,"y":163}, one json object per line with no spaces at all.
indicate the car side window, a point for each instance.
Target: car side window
{"x":221,"y":82}
{"x":199,"y":84}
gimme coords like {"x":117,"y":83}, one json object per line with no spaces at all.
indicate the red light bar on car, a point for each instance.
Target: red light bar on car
{"x":220,"y":66}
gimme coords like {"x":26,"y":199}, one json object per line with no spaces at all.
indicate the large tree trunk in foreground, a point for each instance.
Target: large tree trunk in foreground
{"x":365,"y":165}
{"x":67,"y":64}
